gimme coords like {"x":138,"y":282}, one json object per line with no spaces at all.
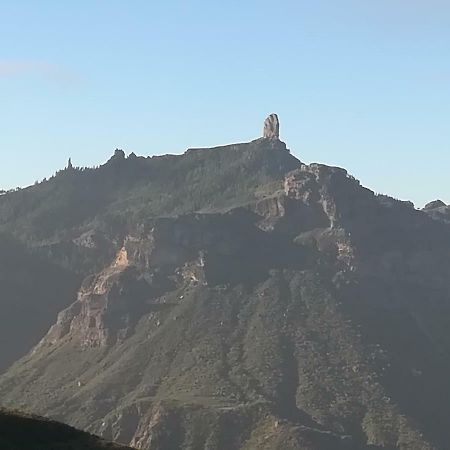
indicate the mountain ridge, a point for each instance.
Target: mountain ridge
{"x":279,"y":318}
{"x":80,"y":244}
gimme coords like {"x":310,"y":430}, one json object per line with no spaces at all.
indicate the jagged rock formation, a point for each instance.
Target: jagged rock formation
{"x":300,"y":312}
{"x":26,"y":432}
{"x":271,"y":127}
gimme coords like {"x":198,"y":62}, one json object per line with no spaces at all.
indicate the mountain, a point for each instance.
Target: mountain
{"x":25,"y":432}
{"x":55,"y":233}
{"x":236,"y":298}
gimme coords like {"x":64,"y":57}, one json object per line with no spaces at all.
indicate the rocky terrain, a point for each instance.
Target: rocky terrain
{"x":236,"y":298}
{"x":438,"y":210}
{"x":55,"y":233}
{"x":25,"y":432}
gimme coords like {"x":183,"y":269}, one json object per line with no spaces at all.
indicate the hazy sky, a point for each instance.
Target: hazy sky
{"x":362,"y":84}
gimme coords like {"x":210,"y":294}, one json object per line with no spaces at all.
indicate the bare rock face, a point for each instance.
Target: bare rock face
{"x":272,"y":127}
{"x":314,"y":185}
{"x":161,"y":256}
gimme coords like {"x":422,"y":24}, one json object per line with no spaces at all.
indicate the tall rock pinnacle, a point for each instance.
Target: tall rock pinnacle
{"x":272,"y":127}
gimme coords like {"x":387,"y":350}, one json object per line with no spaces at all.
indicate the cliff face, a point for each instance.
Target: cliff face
{"x":313,"y":315}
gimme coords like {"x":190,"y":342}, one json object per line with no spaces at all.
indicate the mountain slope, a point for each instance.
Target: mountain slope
{"x":129,"y":189}
{"x":33,"y":291}
{"x":24,"y":432}
{"x":58,"y":231}
{"x":303,"y":312}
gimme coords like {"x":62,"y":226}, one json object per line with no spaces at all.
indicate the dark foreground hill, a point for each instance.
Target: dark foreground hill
{"x":25,"y":432}
{"x":239,"y":299}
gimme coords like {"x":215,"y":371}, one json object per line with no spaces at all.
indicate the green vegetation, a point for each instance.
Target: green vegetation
{"x":127,"y":190}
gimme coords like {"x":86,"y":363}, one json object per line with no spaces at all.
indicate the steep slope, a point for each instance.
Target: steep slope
{"x":312,"y":315}
{"x":58,"y":231}
{"x":32,"y":292}
{"x":23,"y":432}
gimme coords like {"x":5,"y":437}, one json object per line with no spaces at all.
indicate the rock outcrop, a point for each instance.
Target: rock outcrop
{"x":119,"y":155}
{"x":434,"y":204}
{"x":438,"y":210}
{"x":161,"y":256}
{"x":271,"y":127}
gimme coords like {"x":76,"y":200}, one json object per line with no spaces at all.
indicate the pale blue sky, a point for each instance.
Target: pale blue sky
{"x":363,"y":84}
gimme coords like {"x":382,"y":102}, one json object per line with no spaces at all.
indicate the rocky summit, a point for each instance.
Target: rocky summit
{"x":271,"y":127}
{"x":438,"y":210}
{"x":231,"y":298}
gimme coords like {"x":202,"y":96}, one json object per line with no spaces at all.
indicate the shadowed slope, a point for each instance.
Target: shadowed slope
{"x":32,"y":292}
{"x":25,"y":432}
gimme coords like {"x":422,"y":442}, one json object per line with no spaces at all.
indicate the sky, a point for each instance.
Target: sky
{"x":360,"y":84}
